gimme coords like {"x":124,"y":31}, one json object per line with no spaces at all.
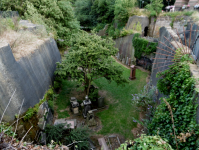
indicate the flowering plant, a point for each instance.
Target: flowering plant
{"x":185,"y":6}
{"x":146,"y":98}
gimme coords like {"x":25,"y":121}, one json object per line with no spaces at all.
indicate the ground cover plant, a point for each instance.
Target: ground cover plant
{"x":118,"y":117}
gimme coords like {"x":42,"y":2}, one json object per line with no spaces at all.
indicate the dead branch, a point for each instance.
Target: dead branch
{"x":24,"y":136}
{"x":17,"y":123}
{"x":171,"y":113}
{"x":7,"y":105}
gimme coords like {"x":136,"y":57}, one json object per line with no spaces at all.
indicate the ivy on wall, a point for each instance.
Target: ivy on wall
{"x":142,"y":46}
{"x":177,"y":83}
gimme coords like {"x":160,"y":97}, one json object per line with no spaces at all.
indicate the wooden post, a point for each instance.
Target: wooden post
{"x":133,"y":71}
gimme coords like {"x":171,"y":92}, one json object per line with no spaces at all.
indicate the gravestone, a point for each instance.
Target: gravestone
{"x":90,"y":119}
{"x":122,"y":57}
{"x":127,"y":61}
{"x":123,"y":60}
{"x":100,"y":102}
{"x":118,"y":56}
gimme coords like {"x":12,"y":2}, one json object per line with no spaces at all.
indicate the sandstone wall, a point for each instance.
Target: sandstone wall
{"x":31,"y":76}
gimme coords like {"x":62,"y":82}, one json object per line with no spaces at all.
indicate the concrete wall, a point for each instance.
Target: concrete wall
{"x":30,"y":76}
{"x":124,"y":44}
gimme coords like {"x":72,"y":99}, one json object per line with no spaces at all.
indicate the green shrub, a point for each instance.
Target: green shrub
{"x":144,"y":99}
{"x":141,"y":46}
{"x":99,"y":26}
{"x":80,"y":134}
{"x":56,"y":133}
{"x":125,"y":32}
{"x":122,"y":9}
{"x":7,"y":129}
{"x":147,"y":143}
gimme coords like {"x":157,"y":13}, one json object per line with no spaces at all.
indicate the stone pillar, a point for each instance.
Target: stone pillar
{"x":133,"y":71}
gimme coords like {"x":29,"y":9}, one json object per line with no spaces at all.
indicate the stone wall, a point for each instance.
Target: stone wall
{"x":132,"y":21}
{"x":31,"y":76}
{"x":179,"y":23}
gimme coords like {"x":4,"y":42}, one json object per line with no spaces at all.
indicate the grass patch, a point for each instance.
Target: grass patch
{"x":118,"y":117}
{"x":62,"y":101}
{"x":63,"y":114}
{"x":178,"y":13}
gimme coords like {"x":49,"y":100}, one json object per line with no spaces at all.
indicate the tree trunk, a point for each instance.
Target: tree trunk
{"x":87,"y":86}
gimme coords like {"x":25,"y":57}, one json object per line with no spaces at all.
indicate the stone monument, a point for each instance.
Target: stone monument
{"x":87,"y":106}
{"x":74,"y":105}
{"x":90,"y":119}
{"x":133,"y":70}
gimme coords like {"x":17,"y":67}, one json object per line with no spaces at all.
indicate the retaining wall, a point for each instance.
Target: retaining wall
{"x":31,"y":76}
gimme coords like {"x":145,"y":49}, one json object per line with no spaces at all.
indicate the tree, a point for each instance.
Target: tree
{"x":89,"y":58}
{"x":82,"y":12}
{"x":122,"y":9}
{"x":155,"y":7}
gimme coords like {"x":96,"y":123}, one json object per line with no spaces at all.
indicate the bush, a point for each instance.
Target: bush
{"x":56,"y":133}
{"x":122,"y":9}
{"x":146,"y":142}
{"x":125,"y":32}
{"x":141,"y":46}
{"x":144,"y":99}
{"x":80,"y":134}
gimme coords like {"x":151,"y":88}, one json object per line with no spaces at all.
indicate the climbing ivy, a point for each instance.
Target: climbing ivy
{"x":142,"y":46}
{"x":177,"y":83}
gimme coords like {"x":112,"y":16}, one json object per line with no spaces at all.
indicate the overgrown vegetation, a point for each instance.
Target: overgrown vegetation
{"x":61,"y":134}
{"x":146,"y":98}
{"x":141,"y":46}
{"x":49,"y":96}
{"x":178,"y":84}
{"x":176,"y":14}
{"x":146,"y":142}
{"x":120,"y":32}
{"x":57,"y":16}
{"x":155,"y":7}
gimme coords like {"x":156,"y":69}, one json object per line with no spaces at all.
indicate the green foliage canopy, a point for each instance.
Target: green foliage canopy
{"x":89,"y":58}
{"x":155,"y":7}
{"x":122,"y":9}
